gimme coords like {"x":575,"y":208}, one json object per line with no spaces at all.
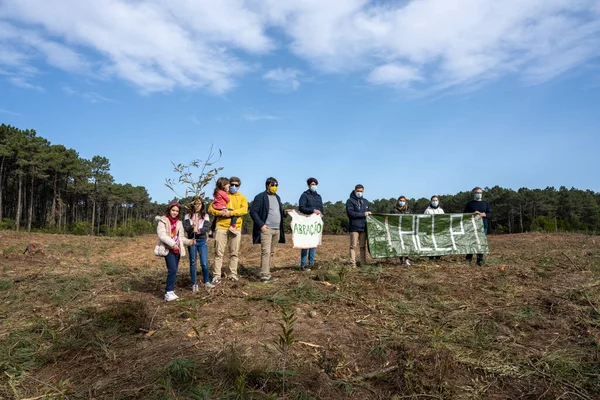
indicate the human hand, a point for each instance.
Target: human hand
{"x":264,"y":228}
{"x":318,"y":212}
{"x":367,"y":213}
{"x":176,"y":246}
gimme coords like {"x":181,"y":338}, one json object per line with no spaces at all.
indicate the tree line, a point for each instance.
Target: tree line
{"x":524,"y":210}
{"x":49,"y":188}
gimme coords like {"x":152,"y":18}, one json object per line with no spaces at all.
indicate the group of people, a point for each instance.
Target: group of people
{"x":228,"y":208}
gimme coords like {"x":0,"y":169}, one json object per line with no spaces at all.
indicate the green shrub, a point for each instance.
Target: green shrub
{"x":7,"y":224}
{"x":81,"y":228}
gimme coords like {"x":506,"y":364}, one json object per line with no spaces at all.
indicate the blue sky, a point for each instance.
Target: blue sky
{"x":406,"y":97}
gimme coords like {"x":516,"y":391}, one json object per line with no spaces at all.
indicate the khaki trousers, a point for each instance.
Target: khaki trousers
{"x":268,"y":241}
{"x":224,"y":239}
{"x":358,"y":239}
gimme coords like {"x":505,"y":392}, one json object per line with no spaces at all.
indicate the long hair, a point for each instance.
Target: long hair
{"x":173,"y":204}
{"x":221,"y":182}
{"x":405,"y":206}
{"x":199,"y":208}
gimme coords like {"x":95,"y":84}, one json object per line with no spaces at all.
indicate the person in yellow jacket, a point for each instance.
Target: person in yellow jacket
{"x":226,"y":238}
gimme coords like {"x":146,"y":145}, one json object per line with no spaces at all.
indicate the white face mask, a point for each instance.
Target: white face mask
{"x":359,"y":194}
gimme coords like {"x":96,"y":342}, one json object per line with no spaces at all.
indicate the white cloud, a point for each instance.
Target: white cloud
{"x":91,"y":97}
{"x":437,"y":45}
{"x":283,"y":79}
{"x":394,"y":75}
{"x":259,"y":117}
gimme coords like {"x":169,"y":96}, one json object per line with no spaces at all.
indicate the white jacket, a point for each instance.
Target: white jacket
{"x":431,"y":210}
{"x":163,"y":230}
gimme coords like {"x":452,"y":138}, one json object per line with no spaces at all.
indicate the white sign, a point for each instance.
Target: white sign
{"x":307,"y":230}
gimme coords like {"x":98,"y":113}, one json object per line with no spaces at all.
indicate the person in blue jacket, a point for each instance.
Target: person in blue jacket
{"x":310,"y":203}
{"x":357,"y":209}
{"x":267,"y":213}
{"x":481,"y":207}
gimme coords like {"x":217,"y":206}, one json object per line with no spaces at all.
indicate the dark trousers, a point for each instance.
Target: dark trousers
{"x":172,"y":261}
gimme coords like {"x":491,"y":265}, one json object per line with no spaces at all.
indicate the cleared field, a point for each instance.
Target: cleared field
{"x":86,"y":319}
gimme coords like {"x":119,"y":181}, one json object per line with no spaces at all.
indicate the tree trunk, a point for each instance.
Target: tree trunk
{"x":1,"y":188}
{"x":19,"y":206}
{"x":30,"y":213}
{"x":116,"y":217}
{"x":521,"y":217}
{"x":93,"y":215}
{"x":53,"y":210}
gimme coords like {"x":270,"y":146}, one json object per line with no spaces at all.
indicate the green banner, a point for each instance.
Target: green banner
{"x":395,"y":235}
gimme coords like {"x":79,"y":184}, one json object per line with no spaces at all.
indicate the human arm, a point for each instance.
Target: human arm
{"x":488,"y":211}
{"x":205,"y":227}
{"x":239,"y":204}
{"x":188,"y":226}
{"x":304,"y":205}
{"x":255,"y":209}
{"x":163,"y":236}
{"x":353,"y":210}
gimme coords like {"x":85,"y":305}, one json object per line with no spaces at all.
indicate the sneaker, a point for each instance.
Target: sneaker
{"x":209,"y":285}
{"x":216,"y":280}
{"x":170,"y":296}
{"x":479,"y":263}
{"x":305,"y":269}
{"x":265,"y":279}
{"x":194,"y":288}
{"x":234,"y":278}
{"x":407,"y":263}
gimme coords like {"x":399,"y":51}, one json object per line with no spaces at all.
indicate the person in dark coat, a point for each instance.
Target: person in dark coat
{"x":402,"y":207}
{"x":310,"y":203}
{"x":357,"y":209}
{"x":482,"y":208}
{"x":267,"y":213}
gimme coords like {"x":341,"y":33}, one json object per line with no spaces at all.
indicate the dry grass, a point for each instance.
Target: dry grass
{"x":86,"y":319}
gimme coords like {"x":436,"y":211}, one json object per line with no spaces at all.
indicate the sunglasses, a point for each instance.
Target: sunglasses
{"x":274,"y":184}
{"x":234,"y":184}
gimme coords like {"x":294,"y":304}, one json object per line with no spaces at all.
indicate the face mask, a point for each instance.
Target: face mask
{"x":401,"y":203}
{"x":359,"y":194}
{"x":273,"y":189}
{"x":313,"y":188}
{"x":233,"y":189}
{"x":435,"y":203}
{"x":478,"y":196}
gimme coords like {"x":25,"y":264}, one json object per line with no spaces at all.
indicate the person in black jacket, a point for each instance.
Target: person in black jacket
{"x":402,"y":207}
{"x":481,"y":207}
{"x":267,"y":213}
{"x":310,"y":203}
{"x":196,"y":225}
{"x":357,"y":209}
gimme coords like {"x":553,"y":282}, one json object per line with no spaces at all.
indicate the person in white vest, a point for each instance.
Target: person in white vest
{"x":434,"y":208}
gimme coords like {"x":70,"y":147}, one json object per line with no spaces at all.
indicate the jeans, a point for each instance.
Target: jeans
{"x":172,"y":261}
{"x":199,"y":248}
{"x":311,"y":256}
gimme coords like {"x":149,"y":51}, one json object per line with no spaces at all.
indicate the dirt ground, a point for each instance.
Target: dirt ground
{"x":84,"y":317}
